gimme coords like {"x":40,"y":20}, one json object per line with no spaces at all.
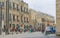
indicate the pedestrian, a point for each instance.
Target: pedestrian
{"x":16,"y":30}
{"x":13,"y":29}
{"x":4,"y":28}
{"x":30,"y":30}
{"x":47,"y":30}
{"x":51,"y":28}
{"x":54,"y":30}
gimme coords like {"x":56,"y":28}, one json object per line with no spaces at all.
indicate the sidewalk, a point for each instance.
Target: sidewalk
{"x":23,"y":35}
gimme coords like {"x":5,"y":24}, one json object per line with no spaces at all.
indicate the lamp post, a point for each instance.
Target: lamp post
{"x":0,"y":18}
{"x":35,"y":23}
{"x":7,"y":17}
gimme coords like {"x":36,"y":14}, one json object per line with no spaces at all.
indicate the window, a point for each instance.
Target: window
{"x":24,"y":19}
{"x":2,"y":3}
{"x":13,"y":5}
{"x":17,"y":18}
{"x":43,"y":19}
{"x":17,"y":7}
{"x":2,"y":16}
{"x":9,"y":17}
{"x":13,"y":17}
{"x":10,"y":5}
{"x":10,"y":25}
{"x":24,"y":9}
{"x":52,"y":21}
{"x":27,"y":20}
{"x":27,"y":10}
{"x":21,"y":9}
{"x":21,"y":19}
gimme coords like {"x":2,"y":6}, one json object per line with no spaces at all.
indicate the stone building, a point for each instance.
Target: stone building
{"x":41,"y":20}
{"x":57,"y":17}
{"x":18,"y":13}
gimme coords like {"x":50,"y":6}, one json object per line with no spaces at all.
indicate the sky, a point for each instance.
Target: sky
{"x":45,"y":6}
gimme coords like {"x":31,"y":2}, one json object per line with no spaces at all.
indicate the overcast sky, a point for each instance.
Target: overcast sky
{"x":45,"y":6}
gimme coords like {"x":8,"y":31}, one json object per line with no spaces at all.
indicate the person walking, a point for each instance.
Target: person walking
{"x":51,"y":28}
{"x":47,"y":30}
{"x":54,"y":30}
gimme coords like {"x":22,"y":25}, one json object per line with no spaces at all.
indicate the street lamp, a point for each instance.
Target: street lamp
{"x":7,"y":15}
{"x":35,"y":23}
{"x":0,"y":18}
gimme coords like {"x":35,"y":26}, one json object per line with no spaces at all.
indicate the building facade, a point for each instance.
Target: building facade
{"x":41,"y":20}
{"x":44,"y":19}
{"x":18,"y":14}
{"x":57,"y":17}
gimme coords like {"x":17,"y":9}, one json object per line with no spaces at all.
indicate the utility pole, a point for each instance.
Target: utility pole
{"x":0,"y":18}
{"x":7,"y":17}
